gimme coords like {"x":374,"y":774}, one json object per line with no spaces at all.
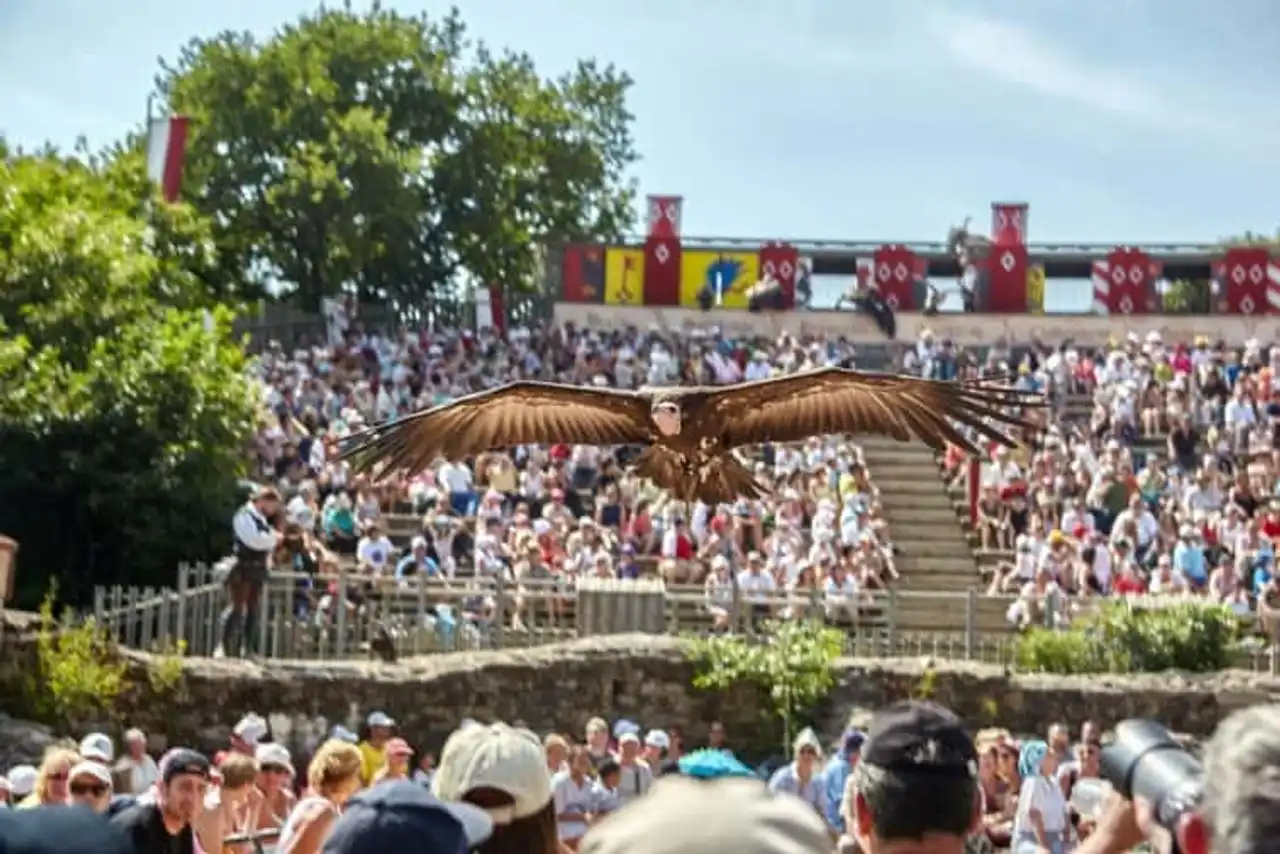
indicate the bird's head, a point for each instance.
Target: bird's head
{"x":666,"y":417}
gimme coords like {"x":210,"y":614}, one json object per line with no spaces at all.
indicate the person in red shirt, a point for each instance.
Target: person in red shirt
{"x":1270,"y":527}
{"x":1129,"y":583}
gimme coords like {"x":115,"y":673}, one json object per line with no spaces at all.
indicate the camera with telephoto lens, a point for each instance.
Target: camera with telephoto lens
{"x":1145,"y":761}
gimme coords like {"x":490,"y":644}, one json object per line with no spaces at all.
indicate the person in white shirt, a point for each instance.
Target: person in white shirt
{"x":757,"y":588}
{"x":373,"y":552}
{"x":1042,"y":820}
{"x":141,"y":769}
{"x":635,"y":777}
{"x":457,"y":481}
{"x":574,"y":793}
{"x":758,"y":368}
{"x":255,"y":541}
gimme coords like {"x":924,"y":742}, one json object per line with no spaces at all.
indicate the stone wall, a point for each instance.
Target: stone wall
{"x":641,"y":677}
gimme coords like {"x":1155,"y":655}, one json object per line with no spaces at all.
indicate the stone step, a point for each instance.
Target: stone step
{"x":940,"y":564}
{"x":903,"y":456}
{"x":923,"y":513}
{"x":913,"y":486}
{"x":915,"y":547}
{"x":894,"y":500}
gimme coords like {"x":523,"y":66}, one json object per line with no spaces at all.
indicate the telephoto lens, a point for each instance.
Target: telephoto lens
{"x":1145,"y":761}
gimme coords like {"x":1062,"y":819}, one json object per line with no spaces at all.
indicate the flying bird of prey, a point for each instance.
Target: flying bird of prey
{"x":689,"y":434}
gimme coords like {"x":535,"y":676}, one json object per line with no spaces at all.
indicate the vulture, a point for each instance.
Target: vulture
{"x":688,"y":434}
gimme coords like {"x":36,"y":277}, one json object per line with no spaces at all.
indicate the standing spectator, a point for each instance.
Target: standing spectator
{"x":141,"y":770}
{"x":163,"y":825}
{"x":373,"y":749}
{"x":332,"y":778}
{"x":802,"y":777}
{"x":255,"y":542}
{"x":89,"y":785}
{"x":836,"y":776}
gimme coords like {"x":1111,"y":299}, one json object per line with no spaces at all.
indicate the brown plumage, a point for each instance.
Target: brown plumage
{"x":689,"y":433}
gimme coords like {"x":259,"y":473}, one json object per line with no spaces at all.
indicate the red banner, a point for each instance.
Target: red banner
{"x":1245,"y":284}
{"x":1124,"y":283}
{"x":662,"y":271}
{"x":665,"y":213}
{"x":896,"y":269}
{"x":1009,"y":223}
{"x":781,"y":262}
{"x":1007,"y":280}
{"x":582,"y":274}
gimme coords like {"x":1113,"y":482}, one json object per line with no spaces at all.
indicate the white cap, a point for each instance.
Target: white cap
{"x":495,"y":757}
{"x":380,"y":719}
{"x":273,"y":754}
{"x":728,"y":816}
{"x":22,"y":780}
{"x":629,"y":738}
{"x":657,"y":738}
{"x":251,"y":729}
{"x":98,"y":746}
{"x":96,"y":770}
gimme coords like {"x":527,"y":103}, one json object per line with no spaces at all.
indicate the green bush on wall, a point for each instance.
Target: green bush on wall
{"x":1126,"y":638}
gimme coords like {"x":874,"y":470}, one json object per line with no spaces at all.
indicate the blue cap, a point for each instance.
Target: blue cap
{"x":399,"y":815}
{"x":712,"y":764}
{"x":853,"y":740}
{"x":59,"y":830}
{"x":341,"y":733}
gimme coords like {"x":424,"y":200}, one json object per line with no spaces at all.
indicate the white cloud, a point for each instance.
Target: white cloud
{"x":1017,"y":55}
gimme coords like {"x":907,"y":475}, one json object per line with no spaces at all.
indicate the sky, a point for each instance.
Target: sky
{"x":1121,"y":121}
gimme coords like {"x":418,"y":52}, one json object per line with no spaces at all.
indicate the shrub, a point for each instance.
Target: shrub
{"x":1127,"y":638}
{"x":790,"y":665}
{"x":77,"y":678}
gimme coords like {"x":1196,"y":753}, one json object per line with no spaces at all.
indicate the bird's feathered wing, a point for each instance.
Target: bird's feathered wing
{"x":520,"y":413}
{"x":838,"y":400}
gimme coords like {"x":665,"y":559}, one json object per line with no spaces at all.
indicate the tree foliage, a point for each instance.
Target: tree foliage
{"x":385,"y":154}
{"x":792,"y":668}
{"x":124,"y":406}
{"x":1127,"y":638}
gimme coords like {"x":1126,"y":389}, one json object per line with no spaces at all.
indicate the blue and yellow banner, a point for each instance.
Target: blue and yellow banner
{"x":624,"y":277}
{"x":1035,"y":289}
{"x":729,"y":273}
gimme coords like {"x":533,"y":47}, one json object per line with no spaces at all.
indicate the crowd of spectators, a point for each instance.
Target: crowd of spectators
{"x":1159,"y":476}
{"x":559,"y":513}
{"x":1155,"y":472}
{"x":252,"y":796}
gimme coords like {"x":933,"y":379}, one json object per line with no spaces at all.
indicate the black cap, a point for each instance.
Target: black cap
{"x":920,"y":738}
{"x":59,"y":830}
{"x":184,"y":760}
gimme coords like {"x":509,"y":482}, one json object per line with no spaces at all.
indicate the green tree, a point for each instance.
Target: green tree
{"x":790,"y":665}
{"x":1187,"y":296}
{"x":124,"y":406}
{"x":384,"y":154}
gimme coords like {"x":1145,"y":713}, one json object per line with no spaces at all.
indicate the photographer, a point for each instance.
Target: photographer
{"x":1238,"y":811}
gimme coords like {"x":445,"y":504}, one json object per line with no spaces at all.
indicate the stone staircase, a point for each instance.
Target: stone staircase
{"x":937,"y":562}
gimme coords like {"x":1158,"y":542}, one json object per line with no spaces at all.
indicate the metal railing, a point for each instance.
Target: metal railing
{"x":299,"y":616}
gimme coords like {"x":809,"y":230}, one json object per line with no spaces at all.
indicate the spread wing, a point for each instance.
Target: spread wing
{"x":521,"y":413}
{"x":839,"y":400}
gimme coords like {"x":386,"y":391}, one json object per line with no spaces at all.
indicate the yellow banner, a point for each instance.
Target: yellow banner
{"x":731,"y":273}
{"x":1035,"y":289}
{"x":624,"y":277}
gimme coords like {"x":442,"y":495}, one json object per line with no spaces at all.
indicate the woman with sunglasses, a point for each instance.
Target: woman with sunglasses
{"x":51,"y":782}
{"x":89,"y":785}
